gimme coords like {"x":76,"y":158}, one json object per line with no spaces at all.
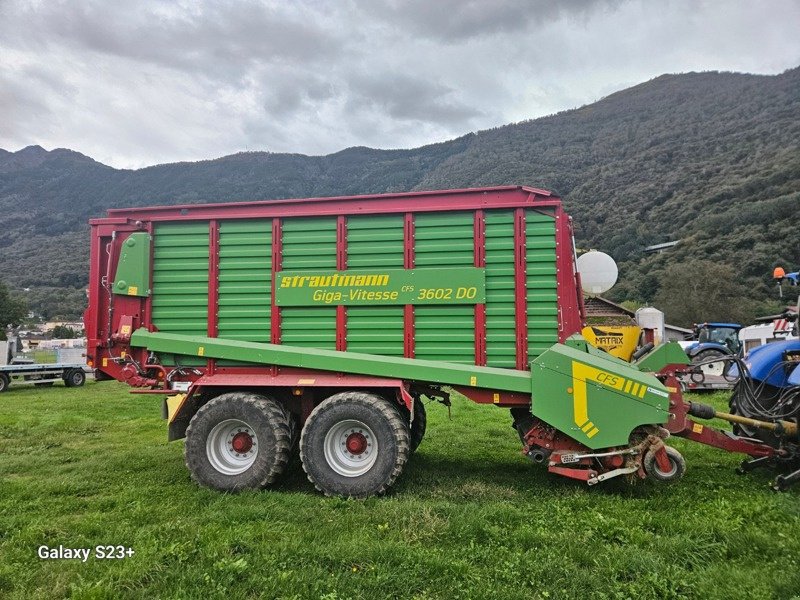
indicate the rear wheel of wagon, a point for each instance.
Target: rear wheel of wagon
{"x":354,"y":445}
{"x":4,"y":382}
{"x":238,"y":441}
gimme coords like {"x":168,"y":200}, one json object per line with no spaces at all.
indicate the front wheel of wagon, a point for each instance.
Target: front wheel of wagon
{"x":238,"y":441}
{"x":354,"y":445}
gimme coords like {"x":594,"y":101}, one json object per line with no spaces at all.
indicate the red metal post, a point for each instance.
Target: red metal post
{"x":277,"y":265}
{"x":520,"y":288}
{"x":408,"y":263}
{"x":341,"y":265}
{"x":91,"y":318}
{"x":480,"y":309}
{"x":148,"y":302}
{"x":213,"y":285}
{"x":571,"y":312}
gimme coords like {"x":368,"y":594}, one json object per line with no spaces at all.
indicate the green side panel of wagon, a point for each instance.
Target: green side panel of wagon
{"x":447,"y":333}
{"x":541,"y":290}
{"x":180,"y":280}
{"x":245,"y":280}
{"x":375,"y":241}
{"x":309,"y":244}
{"x":501,"y":332}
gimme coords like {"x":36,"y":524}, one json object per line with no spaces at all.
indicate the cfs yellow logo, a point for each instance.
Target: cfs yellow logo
{"x":582,"y":373}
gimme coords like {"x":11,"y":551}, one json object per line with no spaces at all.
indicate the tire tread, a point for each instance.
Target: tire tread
{"x":398,"y":425}
{"x":278,"y":418}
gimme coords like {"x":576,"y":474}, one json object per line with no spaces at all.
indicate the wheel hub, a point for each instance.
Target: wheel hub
{"x":242,"y":442}
{"x":356,"y":443}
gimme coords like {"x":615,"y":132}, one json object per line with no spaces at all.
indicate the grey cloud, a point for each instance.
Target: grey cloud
{"x":26,"y":99}
{"x":221,"y":37}
{"x":410,"y":99}
{"x":286,"y":91}
{"x":457,"y":20}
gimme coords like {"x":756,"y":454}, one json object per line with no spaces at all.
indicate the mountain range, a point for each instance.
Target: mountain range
{"x":711,"y":160}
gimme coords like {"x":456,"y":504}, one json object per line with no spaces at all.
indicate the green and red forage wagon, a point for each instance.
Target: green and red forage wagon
{"x":324,"y":323}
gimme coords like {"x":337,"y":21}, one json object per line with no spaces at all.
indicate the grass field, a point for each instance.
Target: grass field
{"x":470,"y":518}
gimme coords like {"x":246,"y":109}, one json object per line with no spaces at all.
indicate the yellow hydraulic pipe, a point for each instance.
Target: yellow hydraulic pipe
{"x":786,"y":427}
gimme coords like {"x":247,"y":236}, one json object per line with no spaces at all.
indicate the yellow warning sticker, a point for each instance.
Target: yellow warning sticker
{"x":496,"y":398}
{"x":125,"y":329}
{"x":473,"y":380}
{"x":201,"y":351}
{"x":105,"y":362}
{"x":133,"y":290}
{"x":697,"y":428}
{"x":306,"y":381}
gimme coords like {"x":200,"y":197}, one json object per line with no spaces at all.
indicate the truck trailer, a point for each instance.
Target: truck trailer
{"x":19,"y":370}
{"x":320,"y":325}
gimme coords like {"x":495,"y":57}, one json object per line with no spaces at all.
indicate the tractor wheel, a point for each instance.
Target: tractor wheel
{"x":4,"y":382}
{"x":74,"y":378}
{"x":676,"y":461}
{"x":717,"y":369}
{"x":238,"y":441}
{"x":769,"y":395}
{"x":354,"y":445}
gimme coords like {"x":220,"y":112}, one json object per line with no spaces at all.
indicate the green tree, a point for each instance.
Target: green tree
{"x":62,"y":332}
{"x":12,"y":310}
{"x":702,"y":290}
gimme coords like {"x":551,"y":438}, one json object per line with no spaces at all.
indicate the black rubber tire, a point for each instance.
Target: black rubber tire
{"x":5,"y":382}
{"x":769,"y":396}
{"x":391,"y":433}
{"x":74,"y":378}
{"x":270,"y":423}
{"x":418,"y":426}
{"x":711,"y":354}
{"x":676,"y":460}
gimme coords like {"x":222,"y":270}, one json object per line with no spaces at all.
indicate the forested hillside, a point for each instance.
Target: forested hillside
{"x":710,"y":159}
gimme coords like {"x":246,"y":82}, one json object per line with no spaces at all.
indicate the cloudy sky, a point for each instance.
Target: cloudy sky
{"x":145,"y":82}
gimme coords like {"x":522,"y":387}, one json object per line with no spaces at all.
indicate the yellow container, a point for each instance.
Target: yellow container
{"x":619,"y":341}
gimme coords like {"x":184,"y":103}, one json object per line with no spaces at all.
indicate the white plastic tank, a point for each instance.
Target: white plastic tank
{"x":652,"y":318}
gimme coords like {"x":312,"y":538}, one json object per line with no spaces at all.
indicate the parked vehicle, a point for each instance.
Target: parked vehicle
{"x":323,"y":324}
{"x":769,"y":388}
{"x":18,"y":370}
{"x":714,"y":340}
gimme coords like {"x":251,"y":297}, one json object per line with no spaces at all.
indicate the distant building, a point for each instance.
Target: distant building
{"x":74,"y":325}
{"x":658,"y":248}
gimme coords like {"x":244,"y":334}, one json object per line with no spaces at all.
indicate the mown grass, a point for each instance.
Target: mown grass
{"x":470,"y":518}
